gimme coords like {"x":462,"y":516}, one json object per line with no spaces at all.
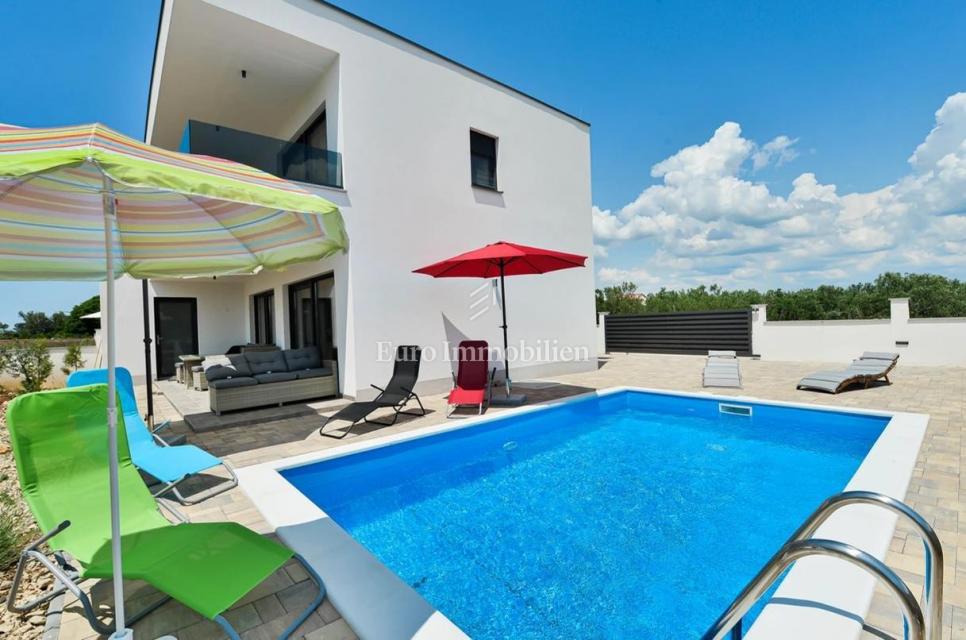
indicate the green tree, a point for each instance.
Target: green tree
{"x":37,"y":324}
{"x":932,"y":296}
{"x":73,"y":359}
{"x":622,"y":299}
{"x":34,"y":324}
{"x":29,"y":361}
{"x":74,"y":326}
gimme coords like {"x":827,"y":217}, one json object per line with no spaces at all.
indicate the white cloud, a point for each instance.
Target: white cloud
{"x":722,"y":155}
{"x":610,"y":275}
{"x":946,"y":137}
{"x":779,"y":150}
{"x":706,"y":220}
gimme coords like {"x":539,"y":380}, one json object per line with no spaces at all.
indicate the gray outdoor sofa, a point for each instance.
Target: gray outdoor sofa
{"x":263,"y":378}
{"x":871,"y":366}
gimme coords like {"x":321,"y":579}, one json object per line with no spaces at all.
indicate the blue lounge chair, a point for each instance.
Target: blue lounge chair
{"x":170,"y":465}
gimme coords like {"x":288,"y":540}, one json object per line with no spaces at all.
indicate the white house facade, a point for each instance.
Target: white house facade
{"x":424,"y":157}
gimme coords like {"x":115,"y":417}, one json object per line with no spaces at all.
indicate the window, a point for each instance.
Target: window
{"x":263,"y":312}
{"x":483,"y":160}
{"x":310,"y":319}
{"x":315,"y":135}
{"x":306,"y":158}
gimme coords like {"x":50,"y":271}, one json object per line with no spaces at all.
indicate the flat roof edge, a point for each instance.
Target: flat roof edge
{"x":157,"y":43}
{"x":445,"y":58}
{"x":162,"y":5}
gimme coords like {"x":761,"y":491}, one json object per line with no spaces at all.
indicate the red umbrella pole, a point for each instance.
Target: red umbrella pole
{"x":506,"y":360}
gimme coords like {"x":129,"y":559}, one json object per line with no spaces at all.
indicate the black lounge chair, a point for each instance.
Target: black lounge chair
{"x":396,"y":395}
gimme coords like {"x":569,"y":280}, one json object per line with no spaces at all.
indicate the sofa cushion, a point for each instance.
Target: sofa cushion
{"x":221,"y":372}
{"x":275,"y":376}
{"x":315,"y":372}
{"x":301,"y":359}
{"x":266,"y":361}
{"x":240,"y":364}
{"x":231,"y":383}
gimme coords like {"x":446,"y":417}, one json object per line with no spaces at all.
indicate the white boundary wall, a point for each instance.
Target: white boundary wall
{"x":925,"y":341}
{"x":602,"y":332}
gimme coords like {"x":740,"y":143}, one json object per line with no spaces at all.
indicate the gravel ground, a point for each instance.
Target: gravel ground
{"x":12,"y":507}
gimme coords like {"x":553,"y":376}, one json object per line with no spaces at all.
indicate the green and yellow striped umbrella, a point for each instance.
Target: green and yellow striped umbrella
{"x":176,"y":214}
{"x":87,"y":203}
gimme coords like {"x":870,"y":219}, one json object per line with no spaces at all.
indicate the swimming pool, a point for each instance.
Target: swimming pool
{"x":600,"y":517}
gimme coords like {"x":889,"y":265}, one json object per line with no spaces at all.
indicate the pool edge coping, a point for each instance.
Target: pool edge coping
{"x":357,"y":582}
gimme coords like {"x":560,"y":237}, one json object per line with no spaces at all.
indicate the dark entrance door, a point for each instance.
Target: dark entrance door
{"x":311,"y":315}
{"x":175,"y":332}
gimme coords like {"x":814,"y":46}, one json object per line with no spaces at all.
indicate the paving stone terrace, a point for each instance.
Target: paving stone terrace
{"x":937,"y":490}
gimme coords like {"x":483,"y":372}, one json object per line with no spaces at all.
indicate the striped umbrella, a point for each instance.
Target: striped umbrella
{"x":176,"y":214}
{"x":87,"y":203}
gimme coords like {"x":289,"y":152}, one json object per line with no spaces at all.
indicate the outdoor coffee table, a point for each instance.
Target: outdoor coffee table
{"x":190,"y":361}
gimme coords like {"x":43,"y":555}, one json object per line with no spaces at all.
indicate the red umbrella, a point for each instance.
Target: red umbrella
{"x":503,"y":259}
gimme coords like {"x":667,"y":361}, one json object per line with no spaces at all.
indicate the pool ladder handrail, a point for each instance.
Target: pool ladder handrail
{"x":916,"y":625}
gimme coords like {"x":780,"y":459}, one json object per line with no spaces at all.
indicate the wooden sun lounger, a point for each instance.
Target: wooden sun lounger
{"x":869,"y":367}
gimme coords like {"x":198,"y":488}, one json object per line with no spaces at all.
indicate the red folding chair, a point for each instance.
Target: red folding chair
{"x":472,"y":382}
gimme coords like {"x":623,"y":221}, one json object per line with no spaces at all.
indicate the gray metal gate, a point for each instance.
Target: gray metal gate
{"x":693,"y":332}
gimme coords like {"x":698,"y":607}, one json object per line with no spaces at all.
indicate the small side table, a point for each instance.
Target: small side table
{"x":190,"y":361}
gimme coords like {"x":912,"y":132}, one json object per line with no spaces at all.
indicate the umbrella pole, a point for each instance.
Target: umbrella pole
{"x":506,"y":357}
{"x":147,"y":352}
{"x":110,"y":215}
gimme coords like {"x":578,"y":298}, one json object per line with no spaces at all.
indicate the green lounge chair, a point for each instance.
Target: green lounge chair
{"x":60,"y":444}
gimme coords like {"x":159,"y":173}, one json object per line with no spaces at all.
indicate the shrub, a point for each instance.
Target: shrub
{"x":932,"y":296}
{"x":73,"y":360}
{"x":10,"y":537}
{"x":29,"y":361}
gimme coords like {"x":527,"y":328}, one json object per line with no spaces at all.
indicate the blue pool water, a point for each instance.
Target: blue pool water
{"x":630,"y":515}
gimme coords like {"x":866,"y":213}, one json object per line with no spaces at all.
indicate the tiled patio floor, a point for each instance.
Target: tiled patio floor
{"x":938,"y":490}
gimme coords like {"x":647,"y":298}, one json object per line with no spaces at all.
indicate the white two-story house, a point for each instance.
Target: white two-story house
{"x":426,"y":159}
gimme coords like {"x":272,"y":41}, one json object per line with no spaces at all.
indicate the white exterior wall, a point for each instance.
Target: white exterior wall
{"x":341,"y":309}
{"x":939,"y":341}
{"x":222,"y":316}
{"x":602,"y":332}
{"x":401,"y":118}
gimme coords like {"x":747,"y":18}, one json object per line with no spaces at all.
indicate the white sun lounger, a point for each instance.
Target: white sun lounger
{"x":868,"y":368}
{"x":722,"y":370}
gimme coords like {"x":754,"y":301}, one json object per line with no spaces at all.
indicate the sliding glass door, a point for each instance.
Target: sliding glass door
{"x":310,"y":317}
{"x":263,"y":321}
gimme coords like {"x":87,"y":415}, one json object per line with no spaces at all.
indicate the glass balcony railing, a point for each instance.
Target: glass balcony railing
{"x":285,"y":159}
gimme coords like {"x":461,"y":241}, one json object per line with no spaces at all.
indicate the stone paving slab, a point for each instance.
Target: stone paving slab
{"x":938,"y":489}
{"x":192,"y":406}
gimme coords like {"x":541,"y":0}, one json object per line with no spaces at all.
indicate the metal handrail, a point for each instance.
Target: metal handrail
{"x":914,"y":626}
{"x":933,"y":555}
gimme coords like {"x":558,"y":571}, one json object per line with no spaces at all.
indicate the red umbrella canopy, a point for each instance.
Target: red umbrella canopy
{"x":516,"y":259}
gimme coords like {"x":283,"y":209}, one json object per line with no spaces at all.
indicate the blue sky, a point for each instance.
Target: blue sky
{"x":853,"y":87}
{"x":72,"y":62}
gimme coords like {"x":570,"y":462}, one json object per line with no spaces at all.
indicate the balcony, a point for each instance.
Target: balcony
{"x":283,"y":158}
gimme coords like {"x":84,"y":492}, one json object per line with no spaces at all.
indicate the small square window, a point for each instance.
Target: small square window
{"x":483,"y":160}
